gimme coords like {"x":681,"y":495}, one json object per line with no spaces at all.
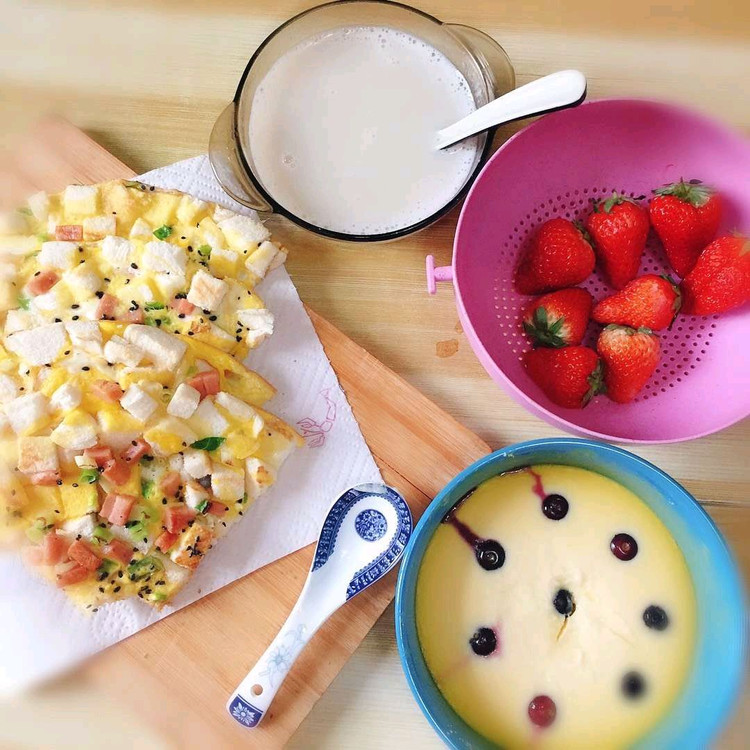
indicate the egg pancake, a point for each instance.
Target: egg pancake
{"x":128,"y":446}
{"x":125,"y":251}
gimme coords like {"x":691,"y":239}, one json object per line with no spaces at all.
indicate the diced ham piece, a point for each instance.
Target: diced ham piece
{"x":121,"y":510}
{"x":73,"y":575}
{"x":181,"y":306}
{"x":135,"y":451}
{"x":170,"y":483}
{"x":42,"y":282}
{"x":107,"y":390}
{"x":118,"y":550}
{"x":108,"y":505}
{"x":165,"y":541}
{"x":177,"y":517}
{"x":33,"y":555}
{"x":45,"y":478}
{"x":69,"y":232}
{"x":207,"y":383}
{"x":133,"y":316}
{"x":105,"y":310}
{"x":81,"y":553}
{"x":55,"y":548}
{"x":217,"y":509}
{"x":101,"y":455}
{"x":116,"y":471}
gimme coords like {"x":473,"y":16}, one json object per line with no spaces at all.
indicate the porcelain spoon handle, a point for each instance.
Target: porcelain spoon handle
{"x":254,"y":694}
{"x":562,"y":89}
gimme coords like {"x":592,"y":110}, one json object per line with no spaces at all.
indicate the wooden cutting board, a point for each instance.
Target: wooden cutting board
{"x":179,"y":672}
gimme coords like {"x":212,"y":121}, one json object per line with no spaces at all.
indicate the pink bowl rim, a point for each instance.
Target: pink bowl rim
{"x":495,"y":372}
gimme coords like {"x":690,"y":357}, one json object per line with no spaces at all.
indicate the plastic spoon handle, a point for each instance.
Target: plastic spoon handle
{"x":562,"y":89}
{"x":252,"y":698}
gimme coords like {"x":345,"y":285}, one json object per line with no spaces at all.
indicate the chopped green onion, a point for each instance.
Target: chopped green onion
{"x":162,"y":232}
{"x":208,"y":443}
{"x":102,"y":535}
{"x":106,"y":566}
{"x":154,"y":306}
{"x":191,"y":371}
{"x":244,"y":498}
{"x":25,"y":211}
{"x":205,"y":251}
{"x":38,"y":529}
{"x":23,"y":302}
{"x":141,"y":569}
{"x":133,"y":184}
{"x":43,"y":237}
{"x":136,"y":529}
{"x":149,"y":321}
{"x":89,"y":476}
{"x":157,"y":597}
{"x":202,"y":506}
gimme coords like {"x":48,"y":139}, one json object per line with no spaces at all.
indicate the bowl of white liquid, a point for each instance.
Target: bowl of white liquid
{"x":334,"y":119}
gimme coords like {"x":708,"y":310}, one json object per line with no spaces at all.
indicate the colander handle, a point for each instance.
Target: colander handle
{"x":441,"y":273}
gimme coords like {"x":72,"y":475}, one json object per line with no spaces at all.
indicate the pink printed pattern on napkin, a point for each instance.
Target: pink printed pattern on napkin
{"x":313,"y":431}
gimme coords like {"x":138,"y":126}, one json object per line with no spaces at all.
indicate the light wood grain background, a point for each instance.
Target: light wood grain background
{"x":147,"y":79}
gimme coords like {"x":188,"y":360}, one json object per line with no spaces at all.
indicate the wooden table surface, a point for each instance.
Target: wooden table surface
{"x":147,"y":79}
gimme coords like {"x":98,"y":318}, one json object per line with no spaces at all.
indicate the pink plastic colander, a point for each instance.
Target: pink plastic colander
{"x":555,"y":167}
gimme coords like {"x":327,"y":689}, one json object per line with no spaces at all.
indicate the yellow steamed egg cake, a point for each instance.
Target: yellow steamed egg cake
{"x":131,"y":435}
{"x":554,"y":609}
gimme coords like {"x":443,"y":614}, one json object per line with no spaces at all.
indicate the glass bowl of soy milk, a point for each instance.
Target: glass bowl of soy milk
{"x":334,"y":119}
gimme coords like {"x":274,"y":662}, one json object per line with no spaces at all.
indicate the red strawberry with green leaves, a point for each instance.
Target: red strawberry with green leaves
{"x":570,"y":376}
{"x":720,"y":279}
{"x":686,"y":217}
{"x":649,"y":301}
{"x":619,"y":228}
{"x":630,"y":356}
{"x":559,"y":318}
{"x":559,"y":256}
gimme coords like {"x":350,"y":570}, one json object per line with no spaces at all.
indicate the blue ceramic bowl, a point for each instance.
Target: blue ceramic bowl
{"x":716,"y":677}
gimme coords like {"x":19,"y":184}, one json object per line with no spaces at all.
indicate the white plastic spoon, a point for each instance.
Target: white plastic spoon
{"x":565,"y":88}
{"x":363,"y":537}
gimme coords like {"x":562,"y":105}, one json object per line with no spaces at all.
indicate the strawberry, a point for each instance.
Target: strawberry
{"x":559,"y":256}
{"x":649,"y":301}
{"x":720,"y":279}
{"x":686,"y":217}
{"x":570,"y":377}
{"x":630,"y":357}
{"x":619,"y":227}
{"x":558,"y":318}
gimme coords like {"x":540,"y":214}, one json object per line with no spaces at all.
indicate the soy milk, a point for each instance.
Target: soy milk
{"x":342,"y":127}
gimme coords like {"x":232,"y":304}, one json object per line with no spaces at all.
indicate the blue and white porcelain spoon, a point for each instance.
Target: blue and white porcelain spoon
{"x":363,"y":537}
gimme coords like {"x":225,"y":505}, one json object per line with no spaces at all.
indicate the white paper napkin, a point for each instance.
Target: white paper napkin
{"x":42,"y":633}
